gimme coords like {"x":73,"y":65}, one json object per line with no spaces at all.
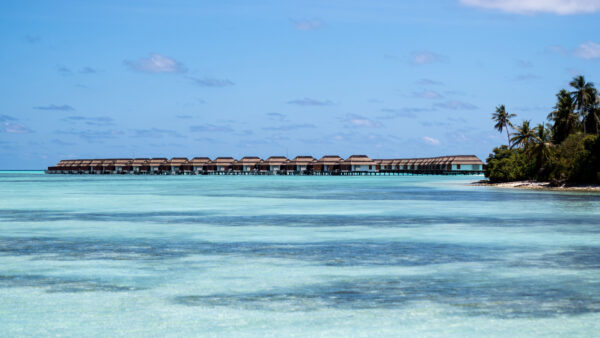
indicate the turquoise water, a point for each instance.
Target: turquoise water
{"x":307,"y":256}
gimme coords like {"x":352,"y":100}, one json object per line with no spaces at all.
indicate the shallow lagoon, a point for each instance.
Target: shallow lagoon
{"x":260,"y":255}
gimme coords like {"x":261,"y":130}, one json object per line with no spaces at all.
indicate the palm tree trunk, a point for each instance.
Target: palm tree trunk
{"x":508,"y":136}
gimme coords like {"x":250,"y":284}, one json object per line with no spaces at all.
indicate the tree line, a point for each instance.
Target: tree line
{"x":566,"y":150}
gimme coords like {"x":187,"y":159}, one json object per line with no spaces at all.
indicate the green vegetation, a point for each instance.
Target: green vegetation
{"x":565,"y":151}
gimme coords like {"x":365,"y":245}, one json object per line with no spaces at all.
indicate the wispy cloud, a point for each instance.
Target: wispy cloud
{"x":156,"y":133}
{"x":211,"y":82}
{"x":425,"y":57}
{"x":91,"y":121}
{"x":32,"y":38}
{"x":211,"y":128}
{"x":310,"y":102}
{"x":87,"y":70}
{"x":406,"y":112}
{"x":307,"y":25}
{"x":62,"y":107}
{"x":14,"y":128}
{"x":430,"y":140}
{"x":91,"y":136}
{"x":427,"y":94}
{"x":360,"y":121}
{"x":524,"y":63}
{"x":561,"y":7}
{"x":428,"y":82}
{"x":156,"y":63}
{"x":10,"y":125}
{"x":64,"y":70}
{"x":527,"y":77}
{"x":455,"y":105}
{"x":289,"y":127}
{"x":588,"y":51}
{"x":184,"y":117}
{"x":277,"y":117}
{"x":5,"y":118}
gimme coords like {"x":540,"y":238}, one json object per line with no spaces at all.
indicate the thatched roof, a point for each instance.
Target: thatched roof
{"x":276,"y":160}
{"x":177,"y":161}
{"x":199,"y":161}
{"x":359,"y":160}
{"x":330,"y":160}
{"x":302,"y":160}
{"x":249,"y":160}
{"x":223,"y":161}
{"x":157,"y":161}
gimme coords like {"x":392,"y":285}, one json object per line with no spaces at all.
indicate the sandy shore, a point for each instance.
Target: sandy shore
{"x":533,"y":185}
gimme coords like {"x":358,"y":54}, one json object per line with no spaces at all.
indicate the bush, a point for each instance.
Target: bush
{"x":505,"y":165}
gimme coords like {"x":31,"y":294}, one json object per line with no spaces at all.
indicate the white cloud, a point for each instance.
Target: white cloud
{"x":588,"y":51}
{"x":427,"y":94}
{"x":156,"y":63}
{"x":15,"y":128}
{"x":361,"y":121}
{"x":561,"y":7}
{"x":421,"y":58}
{"x":307,"y":25}
{"x":431,"y":140}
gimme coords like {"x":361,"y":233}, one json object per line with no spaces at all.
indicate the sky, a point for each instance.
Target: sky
{"x":389,"y":79}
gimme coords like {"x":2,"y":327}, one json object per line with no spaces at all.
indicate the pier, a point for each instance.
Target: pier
{"x":329,"y":165}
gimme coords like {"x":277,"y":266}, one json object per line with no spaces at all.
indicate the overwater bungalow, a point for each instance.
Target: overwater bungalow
{"x":177,"y":165}
{"x":221,"y":165}
{"x":300,"y":165}
{"x":328,"y":164}
{"x":140,"y":166}
{"x":247,"y":164}
{"x":122,"y":166}
{"x":156,"y":163}
{"x":199,"y":165}
{"x":273,"y":164}
{"x":358,"y":163}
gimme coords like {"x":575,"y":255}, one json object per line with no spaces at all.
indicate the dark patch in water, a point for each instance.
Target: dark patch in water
{"x":502,"y":298}
{"x":62,"y":284}
{"x":339,"y":253}
{"x":575,"y":224}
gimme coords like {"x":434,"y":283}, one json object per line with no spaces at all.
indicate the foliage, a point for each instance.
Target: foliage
{"x":567,"y":151}
{"x":505,"y":165}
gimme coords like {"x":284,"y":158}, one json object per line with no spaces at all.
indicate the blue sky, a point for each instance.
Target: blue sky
{"x":103,"y":79}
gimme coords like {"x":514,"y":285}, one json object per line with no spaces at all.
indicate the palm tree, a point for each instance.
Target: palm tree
{"x":564,"y":117}
{"x":592,"y":118}
{"x":541,"y":146}
{"x":502,"y":119}
{"x":584,"y":94}
{"x":523,"y":136}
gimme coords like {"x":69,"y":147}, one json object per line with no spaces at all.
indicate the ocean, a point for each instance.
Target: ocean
{"x":278,"y":256}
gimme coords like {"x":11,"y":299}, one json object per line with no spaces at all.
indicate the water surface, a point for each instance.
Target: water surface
{"x":259,"y":255}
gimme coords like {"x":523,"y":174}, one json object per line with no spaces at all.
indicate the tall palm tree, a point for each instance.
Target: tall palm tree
{"x":541,"y":146}
{"x":523,"y":136}
{"x":584,"y":94}
{"x":592,"y":118}
{"x":564,"y":117}
{"x":502,"y":119}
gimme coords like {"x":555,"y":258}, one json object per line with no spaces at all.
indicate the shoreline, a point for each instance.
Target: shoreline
{"x":533,"y":185}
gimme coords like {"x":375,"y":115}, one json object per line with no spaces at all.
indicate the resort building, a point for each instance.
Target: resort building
{"x":221,"y":165}
{"x":157,"y":164}
{"x":327,"y":164}
{"x":177,"y":165}
{"x":274,"y":165}
{"x":300,"y":165}
{"x":140,"y":166}
{"x":247,"y":164}
{"x":358,"y":163}
{"x":199,"y":165}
